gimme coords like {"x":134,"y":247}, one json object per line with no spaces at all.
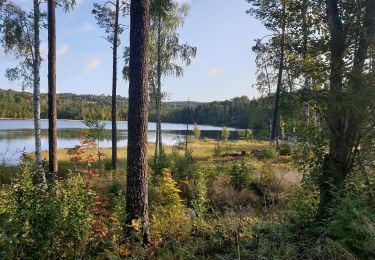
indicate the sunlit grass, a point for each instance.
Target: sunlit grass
{"x":201,"y":149}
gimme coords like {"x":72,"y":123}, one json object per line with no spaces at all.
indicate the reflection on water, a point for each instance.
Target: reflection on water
{"x":18,"y":135}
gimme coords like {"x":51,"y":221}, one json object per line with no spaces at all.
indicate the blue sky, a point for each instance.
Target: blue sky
{"x":220,"y":29}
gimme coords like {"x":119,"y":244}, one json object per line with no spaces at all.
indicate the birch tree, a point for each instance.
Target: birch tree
{"x":21,"y":38}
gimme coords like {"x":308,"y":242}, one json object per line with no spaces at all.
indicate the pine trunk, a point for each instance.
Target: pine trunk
{"x":137,"y":180}
{"x":52,"y":113}
{"x":114,"y":88}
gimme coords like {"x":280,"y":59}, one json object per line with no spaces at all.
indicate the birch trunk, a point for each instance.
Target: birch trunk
{"x":40,"y":178}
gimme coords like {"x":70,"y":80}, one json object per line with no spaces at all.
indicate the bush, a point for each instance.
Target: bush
{"x":240,"y":175}
{"x":285,"y":149}
{"x":269,"y":152}
{"x":217,"y":150}
{"x":353,"y":224}
{"x":167,"y":208}
{"x":225,"y":133}
{"x":41,"y":224}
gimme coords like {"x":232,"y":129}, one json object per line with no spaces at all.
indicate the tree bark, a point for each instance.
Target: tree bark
{"x":114,"y":88}
{"x":275,"y":118}
{"x":306,"y":86}
{"x":40,"y":178}
{"x":137,"y":180}
{"x":52,"y":113}
{"x":158,"y":109}
{"x":345,"y":122}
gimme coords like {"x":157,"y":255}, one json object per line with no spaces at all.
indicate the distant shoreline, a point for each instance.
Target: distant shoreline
{"x":45,"y":119}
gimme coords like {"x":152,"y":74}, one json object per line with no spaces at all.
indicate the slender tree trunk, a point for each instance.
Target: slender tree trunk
{"x":275,"y":118}
{"x":52,"y":114}
{"x":156,"y":131}
{"x":137,"y":180}
{"x":158,"y":110}
{"x":114,"y":88}
{"x":187,"y":127}
{"x":40,"y":178}
{"x":305,"y":53}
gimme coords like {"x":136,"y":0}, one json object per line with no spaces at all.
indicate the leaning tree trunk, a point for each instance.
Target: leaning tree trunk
{"x":275,"y":117}
{"x":40,"y":178}
{"x":114,"y":88}
{"x":137,"y":180}
{"x":52,"y":114}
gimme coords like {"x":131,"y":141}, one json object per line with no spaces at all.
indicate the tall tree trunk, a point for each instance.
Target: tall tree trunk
{"x":156,"y":130}
{"x":52,"y":114}
{"x":114,"y":88}
{"x":334,"y":166}
{"x":275,"y":118}
{"x":137,"y":180}
{"x":305,"y":53}
{"x":345,"y":122}
{"x":40,"y":178}
{"x":159,"y":98}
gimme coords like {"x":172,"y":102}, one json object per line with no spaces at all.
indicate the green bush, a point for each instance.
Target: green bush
{"x":225,"y":133}
{"x":37,"y":223}
{"x":240,"y":175}
{"x":285,"y":149}
{"x":269,"y":152}
{"x":353,"y":224}
{"x":162,"y":162}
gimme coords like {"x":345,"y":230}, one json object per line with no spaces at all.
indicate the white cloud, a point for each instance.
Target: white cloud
{"x":91,"y":65}
{"x":215,"y":71}
{"x":88,"y":27}
{"x":60,"y":52}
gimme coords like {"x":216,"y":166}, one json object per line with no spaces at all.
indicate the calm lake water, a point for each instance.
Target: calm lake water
{"x":17,"y":136}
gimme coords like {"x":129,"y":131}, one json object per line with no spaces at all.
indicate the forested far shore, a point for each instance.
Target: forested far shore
{"x":240,"y":112}
{"x":18,"y":105}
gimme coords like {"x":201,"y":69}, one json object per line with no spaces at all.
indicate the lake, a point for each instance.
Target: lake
{"x":17,"y":136}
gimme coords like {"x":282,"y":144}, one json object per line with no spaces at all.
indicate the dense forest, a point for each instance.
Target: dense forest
{"x":18,"y":105}
{"x":238,"y":112}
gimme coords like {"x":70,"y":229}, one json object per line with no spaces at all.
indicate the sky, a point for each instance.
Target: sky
{"x":220,"y":29}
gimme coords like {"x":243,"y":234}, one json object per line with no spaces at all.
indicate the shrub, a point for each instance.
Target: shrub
{"x":240,"y":175}
{"x":242,"y":134}
{"x":166,"y":209}
{"x":40,"y":224}
{"x":217,"y":150}
{"x":249,"y":134}
{"x":225,"y":133}
{"x":269,"y":152}
{"x":285,"y":149}
{"x":353,"y":224}
{"x":197,"y":131}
